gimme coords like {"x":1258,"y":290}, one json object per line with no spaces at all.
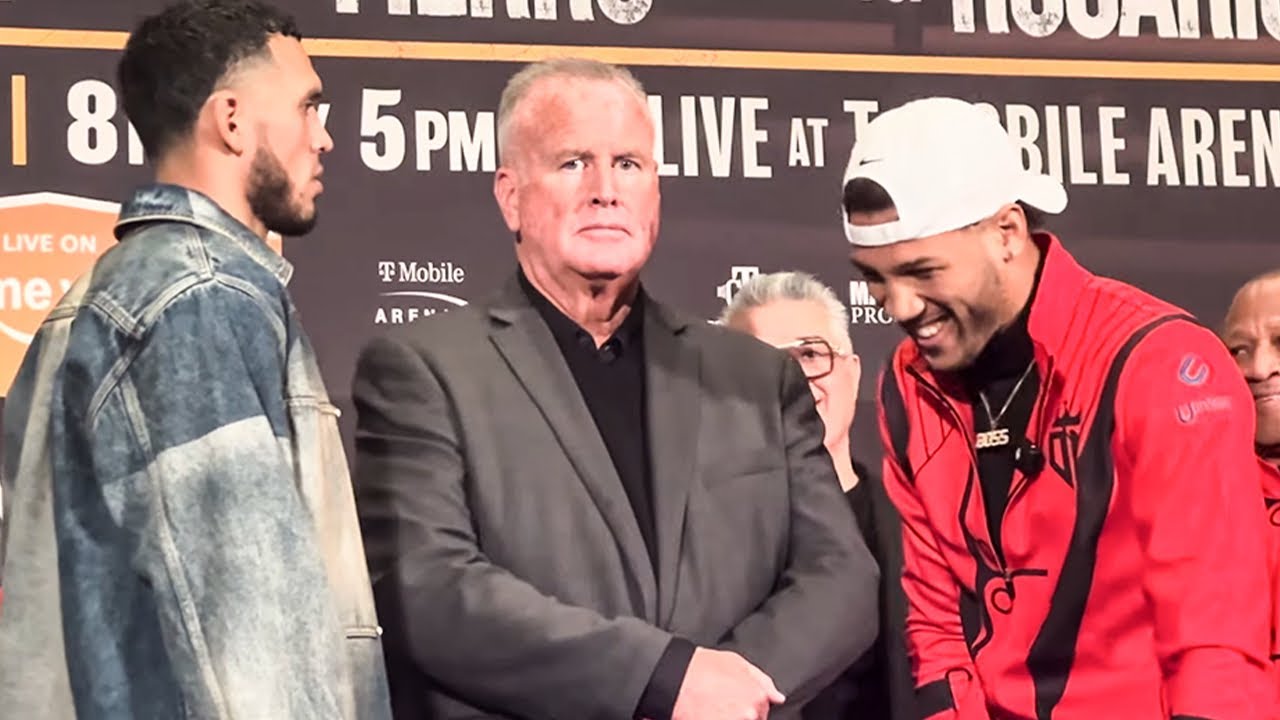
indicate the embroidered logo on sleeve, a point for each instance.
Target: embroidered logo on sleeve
{"x":1188,"y":412}
{"x":1193,"y":371}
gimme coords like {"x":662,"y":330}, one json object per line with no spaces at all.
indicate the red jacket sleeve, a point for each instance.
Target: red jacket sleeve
{"x":947,"y":686}
{"x":1188,"y":477}
{"x":1271,"y":496}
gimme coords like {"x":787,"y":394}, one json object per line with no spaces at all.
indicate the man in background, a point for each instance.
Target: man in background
{"x":795,"y":312}
{"x":1251,"y":332}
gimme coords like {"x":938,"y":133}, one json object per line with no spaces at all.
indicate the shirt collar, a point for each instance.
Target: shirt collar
{"x":174,"y":203}
{"x":565,"y":330}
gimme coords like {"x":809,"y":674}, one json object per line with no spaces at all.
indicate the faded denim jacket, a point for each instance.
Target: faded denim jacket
{"x":181,"y":538}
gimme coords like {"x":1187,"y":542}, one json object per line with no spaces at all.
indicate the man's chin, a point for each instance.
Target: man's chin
{"x":1268,"y":433}
{"x":941,"y":359}
{"x":296,"y":226}
{"x":606,"y":272}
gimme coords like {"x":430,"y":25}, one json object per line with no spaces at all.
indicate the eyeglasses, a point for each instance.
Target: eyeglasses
{"x":816,"y":357}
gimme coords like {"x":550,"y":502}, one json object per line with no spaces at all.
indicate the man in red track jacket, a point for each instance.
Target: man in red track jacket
{"x":1251,"y":333}
{"x":1072,"y":458}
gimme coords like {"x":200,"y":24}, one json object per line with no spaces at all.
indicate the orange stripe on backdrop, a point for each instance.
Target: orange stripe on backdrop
{"x":18,"y":118}
{"x":710,"y":58}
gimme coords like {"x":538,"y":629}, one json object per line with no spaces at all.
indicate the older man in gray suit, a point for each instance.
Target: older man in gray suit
{"x":579,"y":503}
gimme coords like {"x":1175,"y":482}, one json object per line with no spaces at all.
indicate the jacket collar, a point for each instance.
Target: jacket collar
{"x":1062,"y":284}
{"x":160,"y":202}
{"x":511,"y":301}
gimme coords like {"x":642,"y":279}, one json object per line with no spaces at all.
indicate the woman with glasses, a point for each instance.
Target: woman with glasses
{"x":795,"y":312}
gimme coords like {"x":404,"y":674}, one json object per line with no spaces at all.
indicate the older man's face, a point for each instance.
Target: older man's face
{"x":582,"y":187}
{"x":1252,"y":333}
{"x":782,"y":323}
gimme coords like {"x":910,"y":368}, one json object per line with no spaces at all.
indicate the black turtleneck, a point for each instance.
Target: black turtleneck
{"x":995,"y":374}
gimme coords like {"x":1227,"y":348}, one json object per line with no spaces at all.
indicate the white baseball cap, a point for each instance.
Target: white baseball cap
{"x":946,"y":164}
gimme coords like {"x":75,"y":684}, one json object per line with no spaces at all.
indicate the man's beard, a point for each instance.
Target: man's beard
{"x":269,"y":198}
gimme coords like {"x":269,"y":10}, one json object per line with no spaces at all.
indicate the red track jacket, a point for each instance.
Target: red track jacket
{"x":1135,"y":581}
{"x":1271,"y":493}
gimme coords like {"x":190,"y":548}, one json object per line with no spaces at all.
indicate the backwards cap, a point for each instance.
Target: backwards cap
{"x":946,"y":164}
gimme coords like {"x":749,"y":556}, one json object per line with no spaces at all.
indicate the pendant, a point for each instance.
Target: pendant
{"x":992,"y":439}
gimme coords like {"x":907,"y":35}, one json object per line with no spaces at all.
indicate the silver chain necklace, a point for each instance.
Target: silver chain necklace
{"x":998,"y":436}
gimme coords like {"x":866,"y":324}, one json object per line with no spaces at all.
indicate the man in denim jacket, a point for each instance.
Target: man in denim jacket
{"x":182,"y":539}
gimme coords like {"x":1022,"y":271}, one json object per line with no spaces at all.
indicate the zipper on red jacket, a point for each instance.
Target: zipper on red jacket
{"x":1042,"y":400}
{"x":973,"y":459}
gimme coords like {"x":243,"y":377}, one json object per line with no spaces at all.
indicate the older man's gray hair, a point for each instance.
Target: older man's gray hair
{"x":769,"y":288}
{"x":570,"y":68}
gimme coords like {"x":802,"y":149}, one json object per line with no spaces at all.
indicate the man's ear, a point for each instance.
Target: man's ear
{"x":224,"y":114}
{"x":506,"y":186}
{"x":1011,"y":223}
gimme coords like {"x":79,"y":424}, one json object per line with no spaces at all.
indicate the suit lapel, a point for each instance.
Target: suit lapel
{"x":672,"y":375}
{"x":529,"y":349}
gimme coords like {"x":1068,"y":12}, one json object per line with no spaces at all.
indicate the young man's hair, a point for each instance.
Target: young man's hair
{"x":176,"y":59}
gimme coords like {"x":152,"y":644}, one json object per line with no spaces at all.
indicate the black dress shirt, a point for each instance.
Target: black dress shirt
{"x":611,"y":378}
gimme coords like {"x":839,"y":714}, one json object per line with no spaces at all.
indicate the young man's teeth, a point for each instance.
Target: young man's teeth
{"x":927,"y":331}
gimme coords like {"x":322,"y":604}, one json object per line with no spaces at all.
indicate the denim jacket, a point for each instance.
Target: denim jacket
{"x":181,"y":538}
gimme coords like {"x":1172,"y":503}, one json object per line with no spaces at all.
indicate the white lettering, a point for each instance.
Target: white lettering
{"x":665,"y":169}
{"x":376,"y":129}
{"x":721,"y":118}
{"x":1227,"y":118}
{"x":1111,"y":144}
{"x":1132,"y":12}
{"x":26,"y":242}
{"x":32,"y":294}
{"x":1075,"y":149}
{"x":719,"y":133}
{"x":1197,"y":139}
{"x":432,"y":130}
{"x":818,"y":126}
{"x":1264,"y":134}
{"x":1023,"y":125}
{"x":1037,"y":24}
{"x":869,"y":316}
{"x":1097,"y":19}
{"x":753,"y":138}
{"x":471,"y":148}
{"x":860,"y":294}
{"x":72,"y":244}
{"x":92,"y":139}
{"x":621,"y":12}
{"x":1162,"y":163}
{"x":1090,"y":25}
{"x":689,"y":135}
{"x":861,"y":110}
{"x":798,"y":155}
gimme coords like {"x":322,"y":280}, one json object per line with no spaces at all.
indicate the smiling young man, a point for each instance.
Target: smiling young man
{"x":1072,"y":458}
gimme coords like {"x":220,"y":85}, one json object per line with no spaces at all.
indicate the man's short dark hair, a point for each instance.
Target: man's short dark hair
{"x":863,"y":195}
{"x":176,"y":59}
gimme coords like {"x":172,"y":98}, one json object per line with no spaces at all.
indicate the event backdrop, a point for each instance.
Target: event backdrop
{"x":1162,"y":117}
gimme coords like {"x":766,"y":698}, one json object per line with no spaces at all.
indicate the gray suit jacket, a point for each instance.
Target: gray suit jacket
{"x":510,"y":573}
